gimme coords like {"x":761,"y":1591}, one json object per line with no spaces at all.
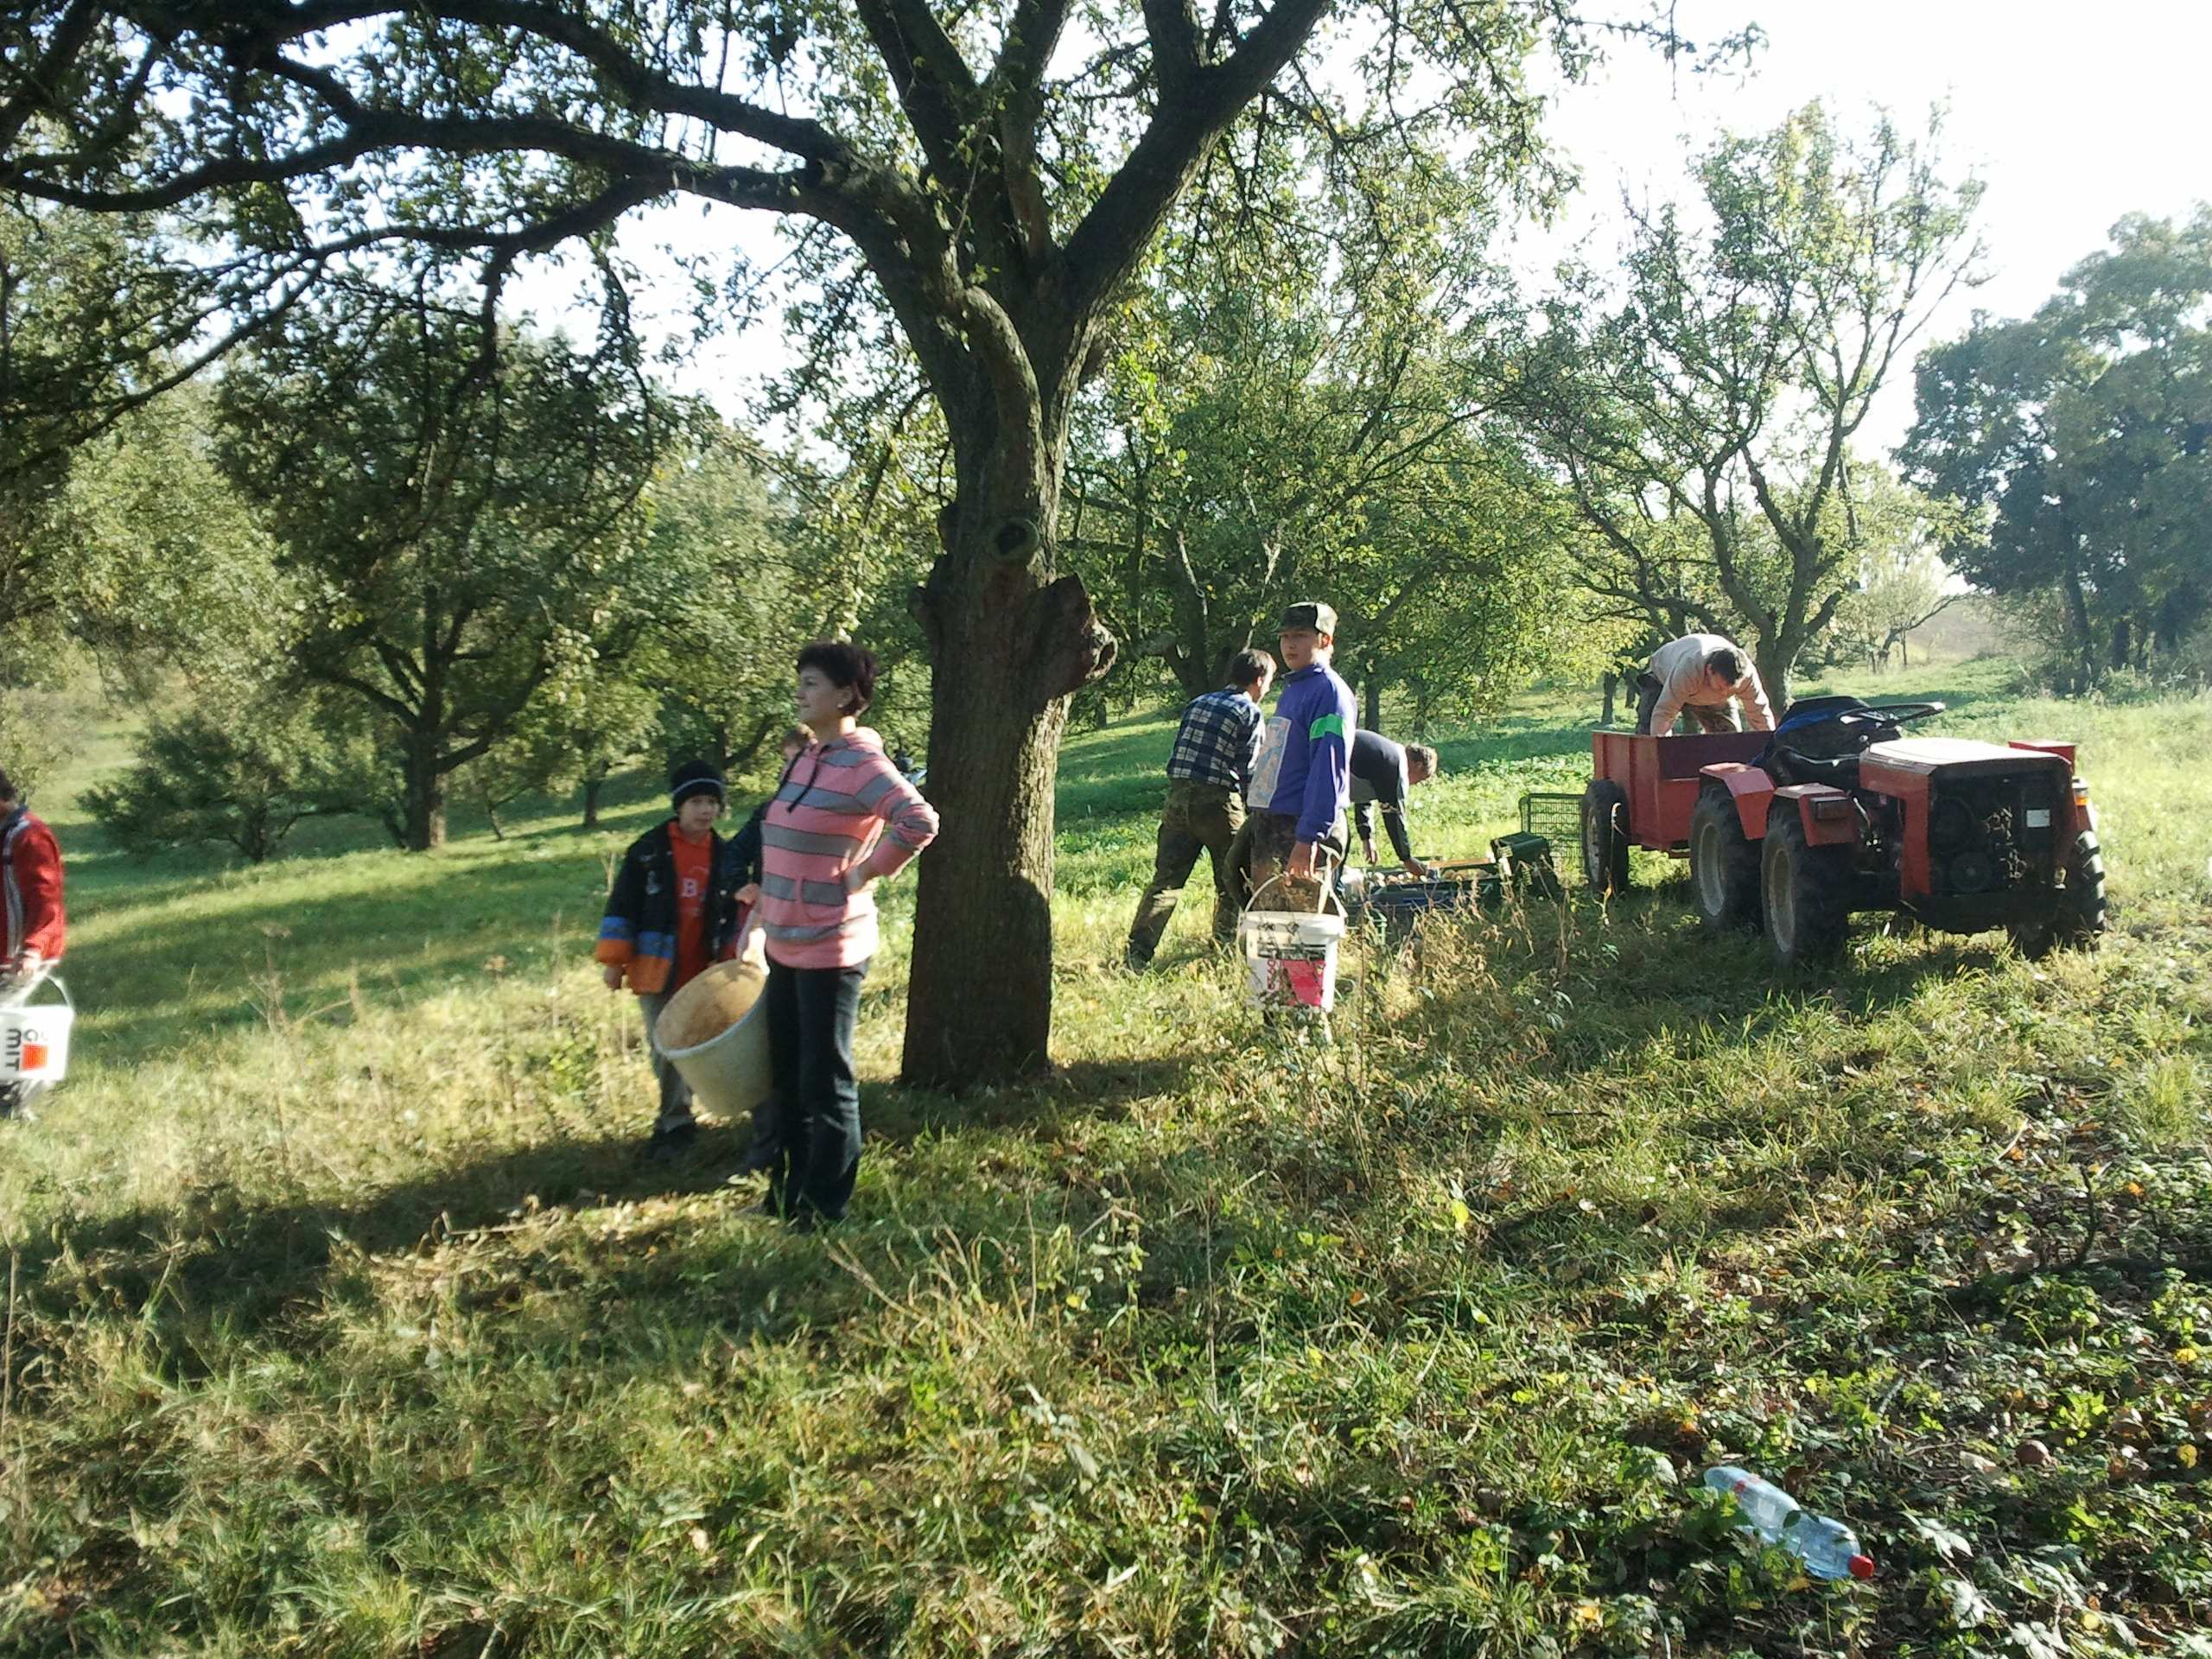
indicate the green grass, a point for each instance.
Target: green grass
{"x":343,"y":1320}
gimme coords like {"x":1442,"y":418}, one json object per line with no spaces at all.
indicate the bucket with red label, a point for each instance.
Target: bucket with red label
{"x":1290,"y":956}
{"x":34,"y":1038}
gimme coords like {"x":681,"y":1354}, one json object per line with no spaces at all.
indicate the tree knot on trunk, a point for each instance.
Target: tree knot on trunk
{"x":1070,"y":646}
{"x":1017,"y":540}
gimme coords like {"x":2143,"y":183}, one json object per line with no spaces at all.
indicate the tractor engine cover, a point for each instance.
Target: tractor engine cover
{"x":1984,"y":830}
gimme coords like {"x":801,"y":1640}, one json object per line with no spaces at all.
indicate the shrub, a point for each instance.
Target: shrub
{"x":244,"y":775}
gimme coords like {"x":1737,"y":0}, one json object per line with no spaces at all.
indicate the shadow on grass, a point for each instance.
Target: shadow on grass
{"x":1092,"y":1091}
{"x":243,"y":1265}
{"x":221,"y":1257}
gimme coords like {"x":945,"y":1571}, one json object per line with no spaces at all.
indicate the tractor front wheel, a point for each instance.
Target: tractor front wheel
{"x":2081,"y":912}
{"x":1604,"y":838}
{"x":1724,"y":864}
{"x":1805,"y":891}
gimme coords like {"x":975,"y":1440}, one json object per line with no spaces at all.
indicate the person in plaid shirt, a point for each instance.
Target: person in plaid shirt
{"x":1207,"y":771}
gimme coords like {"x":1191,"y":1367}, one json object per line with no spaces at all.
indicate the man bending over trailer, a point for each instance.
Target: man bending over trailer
{"x":1708,"y":675}
{"x":1382,"y":772}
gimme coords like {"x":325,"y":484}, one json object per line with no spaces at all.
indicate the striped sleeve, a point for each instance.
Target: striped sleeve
{"x":910,"y":822}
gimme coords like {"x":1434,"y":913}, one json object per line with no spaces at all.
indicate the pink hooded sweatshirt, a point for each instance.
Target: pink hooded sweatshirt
{"x":843,"y":816}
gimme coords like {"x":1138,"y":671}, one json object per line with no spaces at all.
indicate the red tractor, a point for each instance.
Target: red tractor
{"x":1837,"y":811}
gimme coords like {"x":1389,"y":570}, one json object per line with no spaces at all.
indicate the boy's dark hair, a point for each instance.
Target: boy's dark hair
{"x":1426,"y":755}
{"x":1250,"y":666}
{"x":844,"y":665}
{"x":7,"y":787}
{"x":1727,"y":663}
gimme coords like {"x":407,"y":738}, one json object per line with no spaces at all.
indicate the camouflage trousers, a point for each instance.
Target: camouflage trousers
{"x":1198,"y":818}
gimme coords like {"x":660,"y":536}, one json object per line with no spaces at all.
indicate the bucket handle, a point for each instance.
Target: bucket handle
{"x":1328,"y":893}
{"x":19,"y":996}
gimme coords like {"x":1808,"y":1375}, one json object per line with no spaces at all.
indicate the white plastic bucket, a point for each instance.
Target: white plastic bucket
{"x":729,"y":1072}
{"x":1290,"y":956}
{"x":34,"y":1041}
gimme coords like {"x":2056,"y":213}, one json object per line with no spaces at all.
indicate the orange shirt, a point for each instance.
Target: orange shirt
{"x":694,"y":866}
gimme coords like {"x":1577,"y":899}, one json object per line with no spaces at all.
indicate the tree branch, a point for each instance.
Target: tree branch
{"x":647,"y":88}
{"x":1121,"y":223}
{"x":43,"y":80}
{"x":935,"y":87}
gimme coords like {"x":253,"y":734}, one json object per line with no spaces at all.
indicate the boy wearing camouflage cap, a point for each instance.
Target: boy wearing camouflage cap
{"x":1303,"y":778}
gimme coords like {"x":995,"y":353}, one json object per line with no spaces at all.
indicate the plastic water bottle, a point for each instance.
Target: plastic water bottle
{"x":1828,"y":1549}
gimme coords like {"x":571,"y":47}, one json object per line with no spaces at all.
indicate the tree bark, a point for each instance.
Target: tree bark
{"x":1774,"y":659}
{"x":592,"y":787}
{"x":1008,"y":643}
{"x":424,"y":807}
{"x":1371,"y":711}
{"x":2077,"y":620}
{"x":1612,"y":683}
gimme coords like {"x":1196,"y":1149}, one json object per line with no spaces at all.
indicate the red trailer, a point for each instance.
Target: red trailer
{"x":1641,"y":792}
{"x":1839,"y":812}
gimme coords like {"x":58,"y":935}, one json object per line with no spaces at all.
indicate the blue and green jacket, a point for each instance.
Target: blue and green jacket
{"x":1315,"y":717}
{"x":638,"y":934}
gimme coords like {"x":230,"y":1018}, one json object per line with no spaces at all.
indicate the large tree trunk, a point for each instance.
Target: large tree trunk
{"x":1775,"y":659}
{"x":1008,"y":642}
{"x":424,"y":808}
{"x":1371,"y":714}
{"x":593,"y":785}
{"x":2078,"y":624}
{"x":1190,"y":676}
{"x":1612,"y":683}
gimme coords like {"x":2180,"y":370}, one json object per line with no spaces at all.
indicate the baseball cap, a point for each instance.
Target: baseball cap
{"x":1311,"y":614}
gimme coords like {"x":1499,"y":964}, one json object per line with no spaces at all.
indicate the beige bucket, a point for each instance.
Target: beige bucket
{"x":723,"y":1023}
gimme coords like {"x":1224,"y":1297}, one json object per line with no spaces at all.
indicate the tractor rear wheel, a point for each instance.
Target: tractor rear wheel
{"x":1604,"y":838}
{"x":2080,"y":913}
{"x":1805,"y":891}
{"x":1724,"y":864}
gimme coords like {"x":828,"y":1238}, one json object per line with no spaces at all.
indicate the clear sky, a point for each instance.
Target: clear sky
{"x":2072,"y":115}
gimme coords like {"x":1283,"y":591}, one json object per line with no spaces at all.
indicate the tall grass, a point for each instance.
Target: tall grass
{"x":343,"y":1319}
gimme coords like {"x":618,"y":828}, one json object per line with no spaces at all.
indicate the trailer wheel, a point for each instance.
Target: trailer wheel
{"x":1724,"y":864}
{"x":1604,"y":838}
{"x":1805,"y":891}
{"x":2081,"y":914}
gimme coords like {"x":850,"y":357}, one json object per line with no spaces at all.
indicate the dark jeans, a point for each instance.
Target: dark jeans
{"x":1198,"y":818}
{"x":674,"y":1093}
{"x":1710,"y":717}
{"x":811,"y":1012}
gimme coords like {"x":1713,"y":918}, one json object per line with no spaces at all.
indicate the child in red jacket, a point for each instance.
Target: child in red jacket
{"x":33,"y":929}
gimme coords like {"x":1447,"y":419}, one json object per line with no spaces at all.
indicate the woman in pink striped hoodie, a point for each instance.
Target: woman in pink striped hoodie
{"x":843,"y":819}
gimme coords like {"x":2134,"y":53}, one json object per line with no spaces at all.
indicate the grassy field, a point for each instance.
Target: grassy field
{"x":342,"y":1319}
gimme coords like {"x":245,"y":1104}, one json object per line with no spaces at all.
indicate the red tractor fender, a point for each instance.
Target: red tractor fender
{"x":1751,"y":790}
{"x":1830,"y":816}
